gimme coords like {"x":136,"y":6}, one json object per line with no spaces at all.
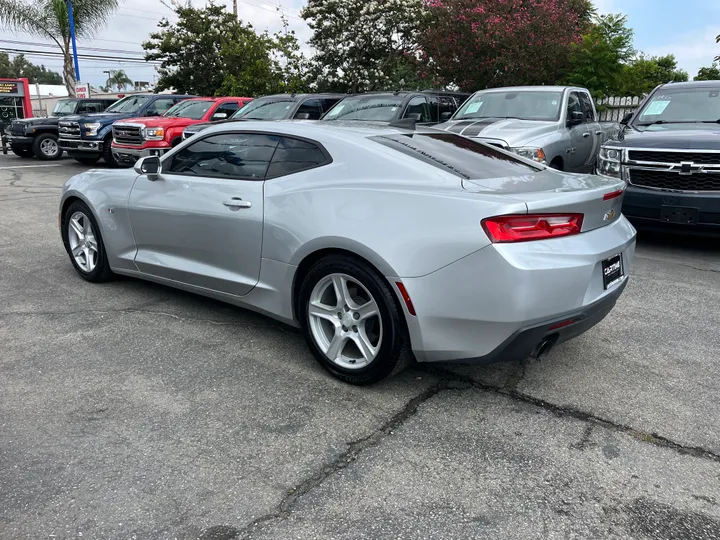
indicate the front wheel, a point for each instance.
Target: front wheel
{"x":352,"y":321}
{"x":46,"y":147}
{"x":108,"y":155}
{"x":84,"y":244}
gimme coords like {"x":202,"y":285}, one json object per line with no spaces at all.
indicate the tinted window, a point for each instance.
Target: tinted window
{"x":229,"y":107}
{"x":458,"y":155}
{"x":160,"y":106}
{"x":523,"y":104}
{"x":587,"y":107}
{"x":312,"y":108}
{"x":229,"y":155}
{"x":369,"y":108}
{"x":293,"y":155}
{"x":329,"y":103}
{"x":90,"y":107}
{"x":419,"y":108}
{"x":440,"y":105}
{"x":574,"y":105}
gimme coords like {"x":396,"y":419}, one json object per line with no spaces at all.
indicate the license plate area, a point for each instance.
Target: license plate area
{"x":612,"y":271}
{"x":679,"y":214}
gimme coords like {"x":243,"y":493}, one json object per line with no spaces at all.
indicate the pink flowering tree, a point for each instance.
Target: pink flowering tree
{"x":484,"y":43}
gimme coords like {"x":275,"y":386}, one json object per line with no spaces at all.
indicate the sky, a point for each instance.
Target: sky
{"x":685,"y":28}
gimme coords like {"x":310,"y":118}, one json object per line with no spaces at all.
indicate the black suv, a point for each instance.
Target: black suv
{"x":278,"y":107}
{"x":39,"y":136}
{"x":427,"y":107}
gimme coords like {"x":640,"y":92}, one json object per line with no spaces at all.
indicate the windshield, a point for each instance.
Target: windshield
{"x":265,"y":109}
{"x":64,"y":107}
{"x":194,"y":110}
{"x":367,"y":108}
{"x":129,"y":104}
{"x":681,"y":106}
{"x":522,"y":104}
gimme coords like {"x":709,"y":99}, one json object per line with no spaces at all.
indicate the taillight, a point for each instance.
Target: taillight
{"x":612,"y":195}
{"x":522,"y":228}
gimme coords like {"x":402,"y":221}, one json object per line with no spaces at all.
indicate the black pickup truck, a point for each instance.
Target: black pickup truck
{"x":669,"y":154}
{"x":38,"y":137}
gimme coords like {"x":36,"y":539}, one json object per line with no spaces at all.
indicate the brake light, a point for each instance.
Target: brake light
{"x":522,"y":228}
{"x":612,"y":195}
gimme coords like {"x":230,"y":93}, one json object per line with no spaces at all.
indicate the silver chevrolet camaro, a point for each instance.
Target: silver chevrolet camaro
{"x":381,"y":243}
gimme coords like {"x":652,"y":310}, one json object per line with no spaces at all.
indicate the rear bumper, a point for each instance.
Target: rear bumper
{"x":653,"y":209}
{"x":81,"y":146}
{"x":500,"y":302}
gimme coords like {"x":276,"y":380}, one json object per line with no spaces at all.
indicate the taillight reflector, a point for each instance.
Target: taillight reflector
{"x":522,"y":228}
{"x":612,"y":195}
{"x":562,"y":324}
{"x":406,"y":297}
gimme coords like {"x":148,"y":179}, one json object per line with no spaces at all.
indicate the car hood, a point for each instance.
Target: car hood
{"x":95,"y":117}
{"x":512,"y":131}
{"x":38,"y":120}
{"x":690,"y":139}
{"x":161,"y":121}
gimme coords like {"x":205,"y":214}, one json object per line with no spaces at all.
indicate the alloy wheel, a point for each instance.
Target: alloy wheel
{"x":49,"y":147}
{"x":345,"y":321}
{"x":83,"y":244}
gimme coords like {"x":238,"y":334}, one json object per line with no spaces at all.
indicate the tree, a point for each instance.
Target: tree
{"x":481,"y":43}
{"x":119,"y":79}
{"x":49,"y":19}
{"x":711,"y":73}
{"x":21,"y":67}
{"x":717,"y":40}
{"x":360,"y":44}
{"x":644,"y":74}
{"x":598,"y":61}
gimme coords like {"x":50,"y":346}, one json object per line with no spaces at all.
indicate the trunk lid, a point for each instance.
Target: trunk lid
{"x":551,"y":191}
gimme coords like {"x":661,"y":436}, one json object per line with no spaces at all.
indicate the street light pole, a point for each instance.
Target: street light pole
{"x":72,"y":37}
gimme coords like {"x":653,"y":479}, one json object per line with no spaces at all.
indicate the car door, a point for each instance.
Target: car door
{"x":201,"y":222}
{"x":594,"y":129}
{"x":581,"y":141}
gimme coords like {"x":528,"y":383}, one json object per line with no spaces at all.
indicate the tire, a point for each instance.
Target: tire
{"x":88,"y":160}
{"x":107,"y":154}
{"x":75,"y":223}
{"x":340,"y":325}
{"x":46,"y":148}
{"x":22,"y":152}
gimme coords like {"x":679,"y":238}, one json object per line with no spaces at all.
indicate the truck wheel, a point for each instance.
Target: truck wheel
{"x":45,"y":147}
{"x":107,"y":154}
{"x":88,"y":160}
{"x":22,"y":152}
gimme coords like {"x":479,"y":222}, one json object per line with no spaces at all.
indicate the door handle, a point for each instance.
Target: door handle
{"x":598,"y":133}
{"x":586,"y":135}
{"x":237,"y":202}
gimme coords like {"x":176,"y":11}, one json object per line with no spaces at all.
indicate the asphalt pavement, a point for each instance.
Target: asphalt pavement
{"x":129,"y":410}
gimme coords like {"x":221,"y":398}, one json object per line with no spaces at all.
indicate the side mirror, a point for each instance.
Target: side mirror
{"x":302,"y":116}
{"x":415,"y":116}
{"x":626,"y":119}
{"x":576,"y":118}
{"x":149,"y":166}
{"x":444,"y":117}
{"x":219,"y":116}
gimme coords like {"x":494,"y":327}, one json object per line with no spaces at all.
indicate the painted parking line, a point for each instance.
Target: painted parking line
{"x":30,"y":166}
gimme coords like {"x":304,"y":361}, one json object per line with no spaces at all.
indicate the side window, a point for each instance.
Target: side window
{"x":293,"y":155}
{"x":329,"y":103}
{"x":573,"y":105}
{"x":90,"y":107}
{"x":229,"y":107}
{"x":311,"y":107}
{"x":419,"y":106}
{"x":440,"y":105}
{"x":587,"y":107}
{"x":159,"y":106}
{"x":243,"y":156}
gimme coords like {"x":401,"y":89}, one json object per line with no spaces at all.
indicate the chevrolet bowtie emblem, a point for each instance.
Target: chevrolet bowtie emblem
{"x":688,"y":168}
{"x":609,"y":215}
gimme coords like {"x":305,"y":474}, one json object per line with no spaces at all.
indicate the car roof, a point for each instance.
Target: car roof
{"x":533,"y":88}
{"x":693,"y":84}
{"x":303,"y":96}
{"x":215,"y":98}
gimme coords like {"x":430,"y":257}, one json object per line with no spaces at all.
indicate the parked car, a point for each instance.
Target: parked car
{"x":87,"y":138}
{"x":378,"y":242}
{"x":669,"y":153}
{"x":137,"y":137}
{"x":426,"y":108}
{"x":38,"y":137}
{"x":555,"y":125}
{"x":279,"y":107}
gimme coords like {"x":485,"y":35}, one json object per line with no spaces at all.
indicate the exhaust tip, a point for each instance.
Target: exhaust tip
{"x":543,"y":349}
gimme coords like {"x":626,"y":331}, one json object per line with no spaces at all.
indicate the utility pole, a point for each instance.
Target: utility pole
{"x":37,"y":90}
{"x":71,"y":20}
{"x":235,"y":8}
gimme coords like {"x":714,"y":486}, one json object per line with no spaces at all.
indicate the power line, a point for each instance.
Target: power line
{"x":88,"y":57}
{"x":39,"y":44}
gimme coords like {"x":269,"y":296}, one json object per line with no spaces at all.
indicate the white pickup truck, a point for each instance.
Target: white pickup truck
{"x":554,"y":125}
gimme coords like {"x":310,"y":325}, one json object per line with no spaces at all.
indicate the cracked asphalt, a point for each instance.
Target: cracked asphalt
{"x":133,"y":411}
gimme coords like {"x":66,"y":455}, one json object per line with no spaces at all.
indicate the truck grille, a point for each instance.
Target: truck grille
{"x":69,"y":130}
{"x":674,"y":181}
{"x":18,"y":128}
{"x":124,"y":134}
{"x":699,"y":158}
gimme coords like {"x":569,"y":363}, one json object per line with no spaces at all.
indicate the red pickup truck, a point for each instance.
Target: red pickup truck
{"x":134,"y":138}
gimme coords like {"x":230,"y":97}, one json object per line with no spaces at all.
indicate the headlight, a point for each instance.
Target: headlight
{"x":154,"y":133}
{"x":91,"y":128}
{"x":530,"y":152}
{"x":608,"y":163}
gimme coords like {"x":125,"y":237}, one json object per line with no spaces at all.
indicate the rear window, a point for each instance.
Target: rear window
{"x":458,"y":155}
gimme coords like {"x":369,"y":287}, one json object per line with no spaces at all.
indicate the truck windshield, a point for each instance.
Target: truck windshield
{"x":680,"y":105}
{"x":367,"y":108}
{"x":265,"y":109}
{"x":64,"y":107}
{"x":194,"y":110}
{"x":522,"y":104}
{"x":129,"y":104}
